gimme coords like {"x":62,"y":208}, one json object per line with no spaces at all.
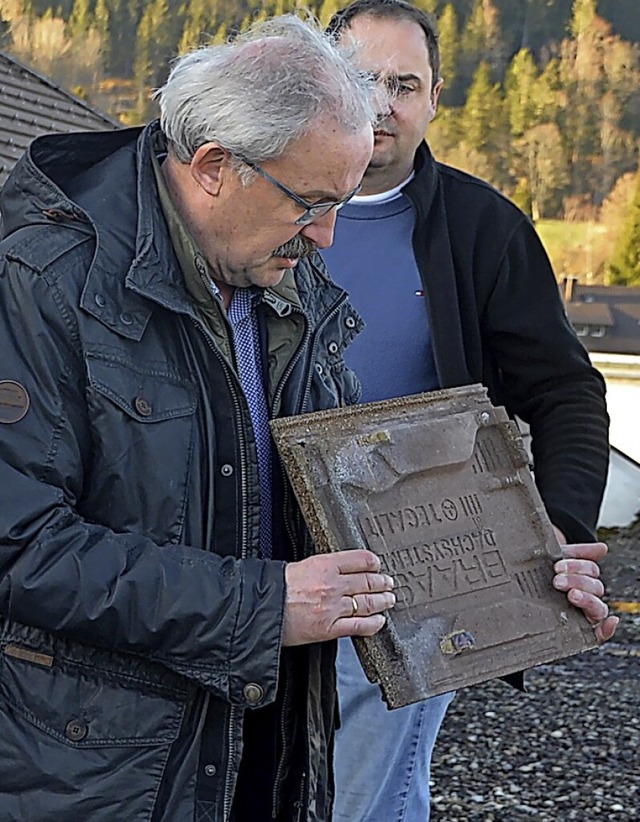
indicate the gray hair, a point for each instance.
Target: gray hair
{"x":264,"y":90}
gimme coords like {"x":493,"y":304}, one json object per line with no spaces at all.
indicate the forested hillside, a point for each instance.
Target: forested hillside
{"x":541,"y":96}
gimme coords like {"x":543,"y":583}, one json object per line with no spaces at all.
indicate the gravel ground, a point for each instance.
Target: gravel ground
{"x":568,"y":749}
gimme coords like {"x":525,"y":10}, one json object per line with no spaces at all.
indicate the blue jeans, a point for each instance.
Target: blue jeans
{"x":383,"y":758}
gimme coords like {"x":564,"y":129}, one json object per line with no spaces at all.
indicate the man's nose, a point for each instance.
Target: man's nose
{"x":386,"y":98}
{"x":320,"y":231}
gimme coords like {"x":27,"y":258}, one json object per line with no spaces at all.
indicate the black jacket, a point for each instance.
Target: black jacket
{"x":137,"y":621}
{"x":497,"y":318}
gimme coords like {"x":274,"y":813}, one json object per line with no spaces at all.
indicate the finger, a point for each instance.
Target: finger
{"x":579,"y":582}
{"x":606,"y":629}
{"x":375,"y":603}
{"x":356,"y":561}
{"x":585,"y":550}
{"x":367,"y":604}
{"x":368,"y":583}
{"x":585,"y":567}
{"x":593,"y":607}
{"x":352,"y":607}
{"x":562,"y":540}
{"x":358,"y":626}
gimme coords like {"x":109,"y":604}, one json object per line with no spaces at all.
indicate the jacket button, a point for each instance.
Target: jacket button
{"x":210,"y":770}
{"x":226,"y":470}
{"x":253,"y":693}
{"x":333,"y":348}
{"x":100,"y":301}
{"x":142,"y":407}
{"x":126,"y":318}
{"x":76,"y":730}
{"x":319,"y":368}
{"x":350,"y":322}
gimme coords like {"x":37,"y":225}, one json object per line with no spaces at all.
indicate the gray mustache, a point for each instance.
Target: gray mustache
{"x":297,"y":248}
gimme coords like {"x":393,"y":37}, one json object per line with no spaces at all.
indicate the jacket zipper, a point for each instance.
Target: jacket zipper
{"x":289,"y":530}
{"x":233,"y":710}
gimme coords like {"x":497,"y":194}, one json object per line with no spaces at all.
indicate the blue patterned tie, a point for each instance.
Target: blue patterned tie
{"x":244,"y":323}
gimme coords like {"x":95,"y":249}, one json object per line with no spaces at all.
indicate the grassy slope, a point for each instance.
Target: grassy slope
{"x":578,"y":249}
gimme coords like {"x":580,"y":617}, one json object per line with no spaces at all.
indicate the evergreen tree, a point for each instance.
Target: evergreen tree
{"x":483,"y":114}
{"x":430,"y":6}
{"x":5,"y":33}
{"x":221,"y":35}
{"x":145,"y":64}
{"x":624,"y":268}
{"x":522,"y":196}
{"x":197,"y":19}
{"x":261,"y":16}
{"x":520,"y":84}
{"x":548,"y":93}
{"x":583,"y":15}
{"x":541,"y":24}
{"x":482,"y":38}
{"x":582,"y":76}
{"x":165,"y":30}
{"x":588,"y":89}
{"x":445,"y":133}
{"x":449,"y":44}
{"x":328,"y":9}
{"x":101,"y":18}
{"x":483,"y":123}
{"x":81,"y":20}
{"x":124,"y":19}
{"x":618,"y":125}
{"x":244,"y":23}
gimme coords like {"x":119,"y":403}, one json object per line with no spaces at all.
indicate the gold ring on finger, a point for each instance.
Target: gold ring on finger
{"x":354,"y":606}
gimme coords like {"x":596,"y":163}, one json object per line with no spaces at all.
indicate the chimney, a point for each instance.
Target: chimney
{"x":568,"y":288}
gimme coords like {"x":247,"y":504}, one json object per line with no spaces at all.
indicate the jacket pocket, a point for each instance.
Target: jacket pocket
{"x":78,"y":741}
{"x":142,"y":421}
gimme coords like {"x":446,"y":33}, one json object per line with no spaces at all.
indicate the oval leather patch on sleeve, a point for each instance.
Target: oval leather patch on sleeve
{"x":14,"y":401}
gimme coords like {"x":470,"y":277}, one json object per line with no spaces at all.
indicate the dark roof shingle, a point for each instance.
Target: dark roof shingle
{"x":614,"y":310}
{"x":31,"y":105}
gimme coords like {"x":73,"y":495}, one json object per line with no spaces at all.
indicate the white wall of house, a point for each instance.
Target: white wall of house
{"x":622,"y":375}
{"x":621,"y":503}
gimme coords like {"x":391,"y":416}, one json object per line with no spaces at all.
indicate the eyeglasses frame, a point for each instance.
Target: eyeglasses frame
{"x":312,"y":211}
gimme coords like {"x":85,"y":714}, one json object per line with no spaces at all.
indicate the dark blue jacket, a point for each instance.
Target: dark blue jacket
{"x":137,"y":621}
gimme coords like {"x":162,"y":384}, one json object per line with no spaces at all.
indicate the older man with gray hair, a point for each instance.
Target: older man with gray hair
{"x":166,"y":633}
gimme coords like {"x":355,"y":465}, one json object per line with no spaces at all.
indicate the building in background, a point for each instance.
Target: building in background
{"x":607,"y":320}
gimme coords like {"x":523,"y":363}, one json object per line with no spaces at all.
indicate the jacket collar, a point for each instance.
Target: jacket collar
{"x":103,"y":182}
{"x":433,"y":247}
{"x":421,"y":190}
{"x":155,"y":272}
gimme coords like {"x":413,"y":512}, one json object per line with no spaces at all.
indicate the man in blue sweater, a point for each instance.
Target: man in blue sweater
{"x":455,"y":288}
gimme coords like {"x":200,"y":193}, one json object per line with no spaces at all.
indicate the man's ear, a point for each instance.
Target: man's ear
{"x":435,"y":96}
{"x":208,"y":166}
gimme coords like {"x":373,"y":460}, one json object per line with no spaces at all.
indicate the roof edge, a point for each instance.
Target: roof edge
{"x":61,"y":89}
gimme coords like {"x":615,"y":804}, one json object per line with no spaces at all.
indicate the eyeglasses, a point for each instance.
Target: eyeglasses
{"x":312,"y":211}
